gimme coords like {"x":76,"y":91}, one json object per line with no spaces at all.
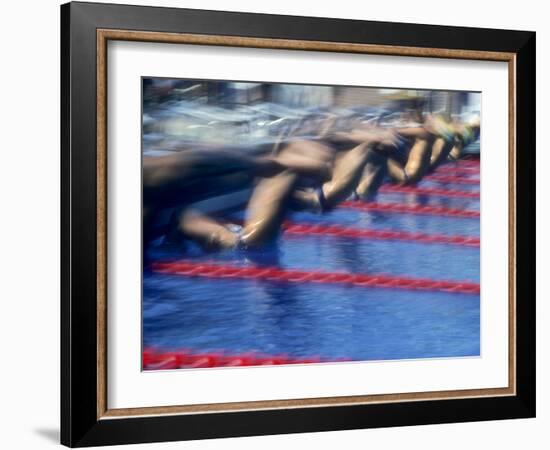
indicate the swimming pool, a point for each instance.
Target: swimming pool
{"x":330,"y":321}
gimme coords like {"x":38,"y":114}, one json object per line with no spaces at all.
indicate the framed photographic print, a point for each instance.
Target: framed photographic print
{"x":276,"y":224}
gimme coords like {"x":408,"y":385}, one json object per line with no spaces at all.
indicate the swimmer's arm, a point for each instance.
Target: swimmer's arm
{"x":369,"y":137}
{"x":413,"y":132}
{"x":346,"y":175}
{"x":358,"y":136}
{"x":267,"y":208}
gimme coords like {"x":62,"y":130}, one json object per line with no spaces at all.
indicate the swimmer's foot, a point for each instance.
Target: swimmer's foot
{"x":206,"y":231}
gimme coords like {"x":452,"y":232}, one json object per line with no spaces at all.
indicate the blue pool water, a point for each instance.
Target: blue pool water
{"x":327,"y":321}
{"x":400,"y":222}
{"x":332,"y":322}
{"x":425,"y":200}
{"x":452,"y":186}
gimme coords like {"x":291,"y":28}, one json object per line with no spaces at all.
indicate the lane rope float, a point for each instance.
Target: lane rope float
{"x":458,"y":170}
{"x":356,"y":233}
{"x":211,"y":270}
{"x":154,"y":359}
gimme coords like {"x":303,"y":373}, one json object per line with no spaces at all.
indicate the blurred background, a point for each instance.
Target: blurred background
{"x":177,"y":112}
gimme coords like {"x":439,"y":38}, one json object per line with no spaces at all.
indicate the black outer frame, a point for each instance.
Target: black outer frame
{"x":79,"y":423}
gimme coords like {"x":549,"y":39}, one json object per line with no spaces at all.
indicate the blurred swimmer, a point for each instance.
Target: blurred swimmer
{"x":186,"y":177}
{"x":315,"y":173}
{"x":183,"y":178}
{"x":265,"y":213}
{"x":345,"y":152}
{"x":402,"y":153}
{"x":451,"y":138}
{"x":275,"y":193}
{"x":466,"y":134}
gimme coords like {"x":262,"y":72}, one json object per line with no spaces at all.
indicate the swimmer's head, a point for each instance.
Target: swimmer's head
{"x":468,"y":131}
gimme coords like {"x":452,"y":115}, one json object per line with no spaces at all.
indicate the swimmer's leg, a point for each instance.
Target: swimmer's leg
{"x":204,"y":230}
{"x":373,"y":174}
{"x":267,"y":207}
{"x":455,"y":153}
{"x":396,"y":171}
{"x":346,"y":174}
{"x":440,"y":151}
{"x":419,"y":160}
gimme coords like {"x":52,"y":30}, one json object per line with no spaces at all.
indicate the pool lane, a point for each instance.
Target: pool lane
{"x":451,"y":186}
{"x":393,"y":221}
{"x":359,"y":256}
{"x":430,"y":200}
{"x":239,"y":316}
{"x":407,"y":259}
{"x":328,"y":321}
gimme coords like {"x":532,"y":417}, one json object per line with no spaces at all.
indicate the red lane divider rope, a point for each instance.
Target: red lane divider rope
{"x":209,"y":270}
{"x":401,"y":208}
{"x":393,"y":188}
{"x":458,"y":170}
{"x":453,"y":179}
{"x":185,"y":359}
{"x":348,"y":232}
